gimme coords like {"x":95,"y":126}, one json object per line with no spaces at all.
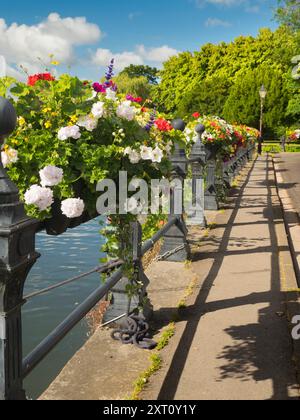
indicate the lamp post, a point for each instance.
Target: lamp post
{"x":263,"y":94}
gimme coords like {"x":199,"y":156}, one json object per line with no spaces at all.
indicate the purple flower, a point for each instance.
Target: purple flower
{"x":151,"y":122}
{"x":130,"y":98}
{"x":110,"y":72}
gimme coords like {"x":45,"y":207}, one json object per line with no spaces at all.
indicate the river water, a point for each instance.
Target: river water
{"x":63,"y":257}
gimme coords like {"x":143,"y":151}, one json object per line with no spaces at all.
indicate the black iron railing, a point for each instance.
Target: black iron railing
{"x":17,"y":254}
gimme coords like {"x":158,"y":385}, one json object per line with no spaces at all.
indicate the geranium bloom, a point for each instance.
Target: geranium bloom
{"x":51,"y":176}
{"x":98,"y":110}
{"x":196,"y":115}
{"x":72,"y":207}
{"x":99,"y":88}
{"x":87,"y":122}
{"x":163,"y":125}
{"x":32,"y":80}
{"x":72,"y":131}
{"x":9,"y":156}
{"x":126,"y":111}
{"x":39,"y":196}
{"x":131,"y":98}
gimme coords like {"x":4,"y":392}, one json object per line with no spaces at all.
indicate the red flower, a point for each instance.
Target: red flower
{"x":42,"y":76}
{"x":196,"y":115}
{"x":163,"y":125}
{"x":138,"y":99}
{"x":144,"y":109}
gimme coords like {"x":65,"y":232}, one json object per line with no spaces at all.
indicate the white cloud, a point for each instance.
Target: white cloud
{"x":122,"y":60}
{"x":214,"y":22}
{"x":140,"y":55}
{"x":23,"y":44}
{"x":158,"y":55}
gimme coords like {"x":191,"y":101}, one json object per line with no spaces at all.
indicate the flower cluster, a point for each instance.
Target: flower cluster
{"x":163,"y":125}
{"x":144,"y":153}
{"x":68,"y":140}
{"x":69,"y":132}
{"x":294,"y":136}
{"x":8,"y":156}
{"x":219,"y":135}
{"x":32,"y":80}
{"x":137,"y":100}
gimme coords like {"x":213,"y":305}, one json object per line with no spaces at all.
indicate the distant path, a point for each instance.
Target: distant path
{"x":289,"y":165}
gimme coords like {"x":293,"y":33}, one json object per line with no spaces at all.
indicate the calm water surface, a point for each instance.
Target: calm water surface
{"x":63,"y":257}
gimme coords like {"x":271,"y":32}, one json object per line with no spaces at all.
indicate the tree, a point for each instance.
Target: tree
{"x":208,"y":97}
{"x":243,"y":103}
{"x":288,"y":13}
{"x":137,"y":86}
{"x":209,"y":80}
{"x":134,"y":71}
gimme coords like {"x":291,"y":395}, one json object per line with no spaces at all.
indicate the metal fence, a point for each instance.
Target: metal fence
{"x":18,"y":254}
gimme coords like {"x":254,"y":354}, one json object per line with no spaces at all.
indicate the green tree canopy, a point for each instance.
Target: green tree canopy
{"x":137,"y":86}
{"x":211,"y":80}
{"x":288,"y":13}
{"x":151,"y":73}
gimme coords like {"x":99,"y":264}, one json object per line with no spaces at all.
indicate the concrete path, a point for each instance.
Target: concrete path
{"x":234,"y":342}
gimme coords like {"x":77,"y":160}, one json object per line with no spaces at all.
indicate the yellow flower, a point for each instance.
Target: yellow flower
{"x":48,"y":124}
{"x":21,"y":121}
{"x":55,"y":63}
{"x":46,"y":110}
{"x":73,"y":119}
{"x":54,"y":114}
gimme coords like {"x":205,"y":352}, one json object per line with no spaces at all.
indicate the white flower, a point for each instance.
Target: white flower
{"x":63,"y":134}
{"x":72,"y":207}
{"x":40,"y":197}
{"x":157,"y":155}
{"x":88,"y":122}
{"x":72,"y":131}
{"x":127,"y":151}
{"x":98,"y":110}
{"x":134,"y":157}
{"x":126,"y":111}
{"x":111,"y":94}
{"x":9,"y":156}
{"x":146,"y":153}
{"x":51,"y":176}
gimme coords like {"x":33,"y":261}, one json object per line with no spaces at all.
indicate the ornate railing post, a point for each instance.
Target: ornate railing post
{"x":226,"y":175}
{"x":175,"y":241}
{"x":17,"y":256}
{"x":197,"y":159}
{"x":211,"y":202}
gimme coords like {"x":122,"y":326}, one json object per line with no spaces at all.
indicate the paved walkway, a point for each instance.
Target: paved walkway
{"x":234,"y":341}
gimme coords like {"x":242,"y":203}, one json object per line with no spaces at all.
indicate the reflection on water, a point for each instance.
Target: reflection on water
{"x":63,"y":257}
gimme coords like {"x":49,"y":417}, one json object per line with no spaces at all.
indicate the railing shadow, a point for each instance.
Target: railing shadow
{"x":263,"y":349}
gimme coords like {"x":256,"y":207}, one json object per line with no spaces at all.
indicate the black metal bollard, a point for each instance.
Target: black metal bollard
{"x":175,"y":247}
{"x":211,"y":201}
{"x":17,"y":256}
{"x":197,"y":159}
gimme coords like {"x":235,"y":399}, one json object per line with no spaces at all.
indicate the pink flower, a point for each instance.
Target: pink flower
{"x":99,"y":88}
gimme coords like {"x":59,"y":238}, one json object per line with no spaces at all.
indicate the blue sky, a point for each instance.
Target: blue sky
{"x":132,"y":30}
